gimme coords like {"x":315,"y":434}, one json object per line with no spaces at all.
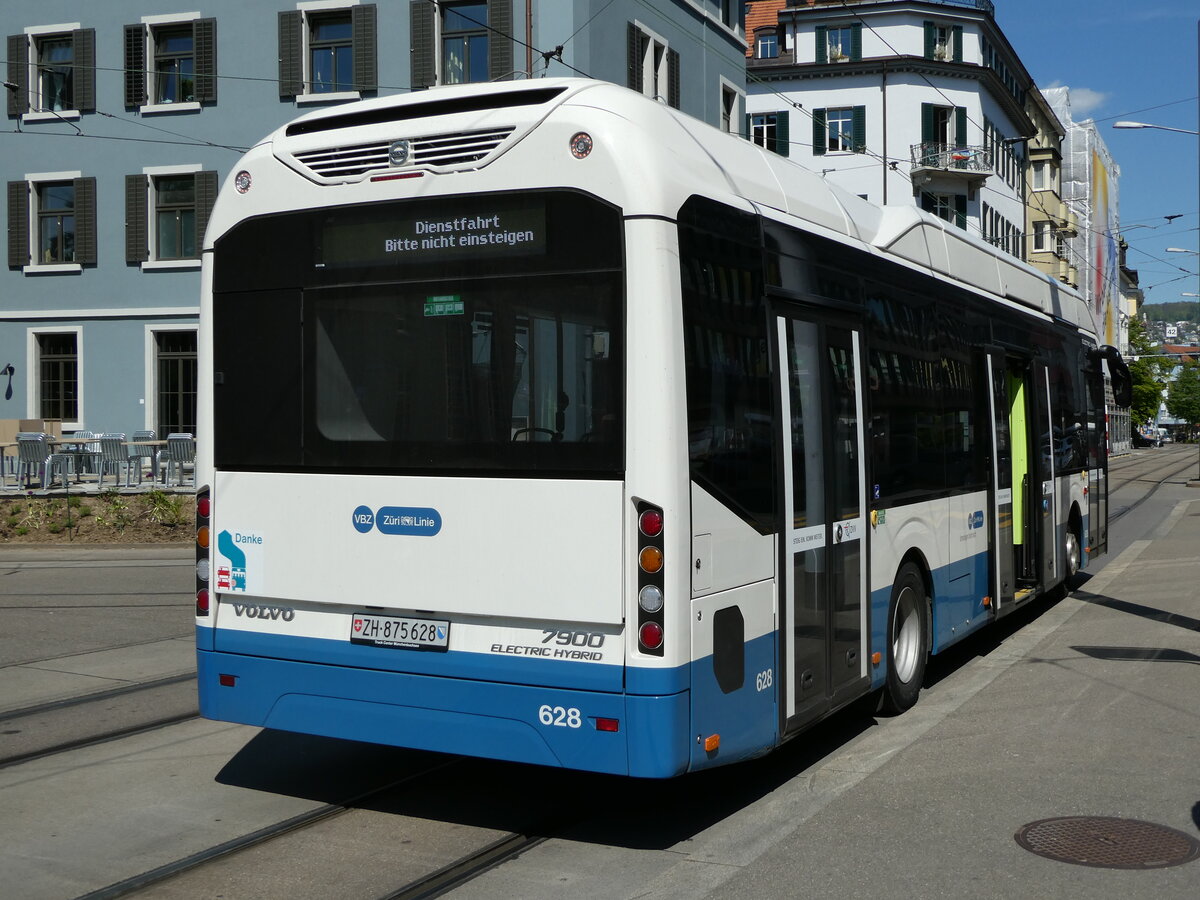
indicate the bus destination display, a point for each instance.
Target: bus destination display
{"x":422,"y":237}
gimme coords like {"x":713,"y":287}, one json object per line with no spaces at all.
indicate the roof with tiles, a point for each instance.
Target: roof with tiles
{"x":760,"y":13}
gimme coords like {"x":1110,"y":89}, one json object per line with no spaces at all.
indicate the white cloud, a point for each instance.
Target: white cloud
{"x":1083,"y":100}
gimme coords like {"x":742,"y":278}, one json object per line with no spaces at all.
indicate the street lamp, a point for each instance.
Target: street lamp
{"x":1148,"y":125}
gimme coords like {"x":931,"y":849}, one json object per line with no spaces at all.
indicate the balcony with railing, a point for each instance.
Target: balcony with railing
{"x":971,"y":163}
{"x":986,"y":6}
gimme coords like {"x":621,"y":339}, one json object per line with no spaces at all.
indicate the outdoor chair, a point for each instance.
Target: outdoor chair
{"x":139,"y":453}
{"x":34,"y":456}
{"x":113,"y":457}
{"x":86,"y":454}
{"x":179,"y":452}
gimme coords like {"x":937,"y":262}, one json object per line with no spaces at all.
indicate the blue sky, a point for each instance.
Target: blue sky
{"x":1121,"y":60}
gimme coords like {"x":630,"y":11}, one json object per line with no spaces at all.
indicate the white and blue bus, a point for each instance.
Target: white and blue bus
{"x":542,"y":422}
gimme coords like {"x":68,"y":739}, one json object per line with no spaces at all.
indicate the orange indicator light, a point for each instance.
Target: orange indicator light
{"x":712,"y":743}
{"x":876,"y":658}
{"x":202,"y":535}
{"x":651,"y":559}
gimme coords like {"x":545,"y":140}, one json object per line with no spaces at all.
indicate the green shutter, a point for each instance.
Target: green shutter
{"x":930,"y":40}
{"x":363,"y":31}
{"x":860,"y":129}
{"x":85,"y":221}
{"x":135,"y":65}
{"x":422,"y":74}
{"x":960,"y":210}
{"x":928,"y":127}
{"x":957,"y":39}
{"x":960,"y":126}
{"x":856,"y":41}
{"x":204,"y":37}
{"x":84,"y":42}
{"x":500,"y":46}
{"x":18,"y":223}
{"x":206,"y":196}
{"x":137,"y":189}
{"x":783,"y":144}
{"x":673,"y":78}
{"x":822,"y":44}
{"x":819,"y":138}
{"x":18,"y":74}
{"x":291,"y":70}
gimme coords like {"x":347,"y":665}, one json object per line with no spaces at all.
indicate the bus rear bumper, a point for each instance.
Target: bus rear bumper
{"x":519,"y":723}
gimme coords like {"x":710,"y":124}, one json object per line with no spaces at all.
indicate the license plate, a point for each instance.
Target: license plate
{"x":400,"y":631}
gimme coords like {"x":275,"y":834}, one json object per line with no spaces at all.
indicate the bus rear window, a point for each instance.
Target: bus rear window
{"x":505,"y":374}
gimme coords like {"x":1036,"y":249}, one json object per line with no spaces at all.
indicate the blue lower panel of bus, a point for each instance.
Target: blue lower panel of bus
{"x":958,"y":609}
{"x":523,"y":723}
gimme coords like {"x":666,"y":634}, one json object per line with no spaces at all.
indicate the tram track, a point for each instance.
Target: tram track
{"x":24,"y":729}
{"x":1179,"y":465}
{"x":432,"y":884}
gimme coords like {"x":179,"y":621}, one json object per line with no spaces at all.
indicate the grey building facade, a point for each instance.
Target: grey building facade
{"x":124,"y":117}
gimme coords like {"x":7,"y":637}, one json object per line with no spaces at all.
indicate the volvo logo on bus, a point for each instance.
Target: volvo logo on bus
{"x":399,"y":152}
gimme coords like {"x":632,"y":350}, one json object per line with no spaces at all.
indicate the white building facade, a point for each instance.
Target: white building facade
{"x":898,"y":101}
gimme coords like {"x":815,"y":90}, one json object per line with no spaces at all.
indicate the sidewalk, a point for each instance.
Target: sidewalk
{"x":1092,"y":709}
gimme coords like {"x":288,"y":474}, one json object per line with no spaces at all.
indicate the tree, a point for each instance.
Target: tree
{"x":1184,"y":400}
{"x":1146,"y":375}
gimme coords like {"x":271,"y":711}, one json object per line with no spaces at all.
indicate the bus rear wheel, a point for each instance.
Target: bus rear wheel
{"x":1071,"y":552}
{"x":907,"y":648}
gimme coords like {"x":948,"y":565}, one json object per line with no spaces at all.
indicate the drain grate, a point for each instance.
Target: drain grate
{"x":1108,"y":843}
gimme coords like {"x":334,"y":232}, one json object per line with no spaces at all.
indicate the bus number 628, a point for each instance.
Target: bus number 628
{"x":556,"y":715}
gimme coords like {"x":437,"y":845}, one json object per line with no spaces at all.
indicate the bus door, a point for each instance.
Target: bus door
{"x":1046,"y":513}
{"x":822,"y":561}
{"x":1000,"y":484}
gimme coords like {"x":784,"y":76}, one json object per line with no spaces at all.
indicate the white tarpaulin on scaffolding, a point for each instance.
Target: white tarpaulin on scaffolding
{"x":1089,"y":187}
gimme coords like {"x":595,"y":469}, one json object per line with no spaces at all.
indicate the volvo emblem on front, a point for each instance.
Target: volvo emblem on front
{"x":398,"y":152}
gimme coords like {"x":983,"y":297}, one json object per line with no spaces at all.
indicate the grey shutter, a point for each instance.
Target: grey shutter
{"x":137,"y":189}
{"x":960,"y":210}
{"x":84,"y":41}
{"x":960,"y":125}
{"x":637,"y":53}
{"x":204,"y":38}
{"x":421,"y":25}
{"x":782,"y":136}
{"x":859,"y":128}
{"x":85,"y":221}
{"x":366,"y":46}
{"x":18,"y":74}
{"x":500,"y":48}
{"x":822,"y":44}
{"x":856,"y":41}
{"x":819,"y":132}
{"x":135,"y":65}
{"x":673,"y":78}
{"x":206,"y":196}
{"x":748,"y":118}
{"x":930,"y":40}
{"x":957,"y":43}
{"x":18,"y":223}
{"x":291,"y":72}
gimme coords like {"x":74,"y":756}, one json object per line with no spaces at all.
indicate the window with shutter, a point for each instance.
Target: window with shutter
{"x":331,"y":53}
{"x":54,"y":73}
{"x":171,"y":66}
{"x":166,"y":213}
{"x":653,"y":66}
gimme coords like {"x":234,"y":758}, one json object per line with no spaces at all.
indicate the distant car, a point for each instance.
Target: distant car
{"x":1141,"y":440}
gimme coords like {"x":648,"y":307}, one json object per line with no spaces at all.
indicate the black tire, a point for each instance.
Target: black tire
{"x":907,"y":640}
{"x":1072,"y":554}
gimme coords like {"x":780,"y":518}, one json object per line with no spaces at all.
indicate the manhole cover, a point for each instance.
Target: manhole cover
{"x":1108,"y":843}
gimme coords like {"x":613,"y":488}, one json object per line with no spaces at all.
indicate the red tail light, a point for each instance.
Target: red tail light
{"x":651,"y":635}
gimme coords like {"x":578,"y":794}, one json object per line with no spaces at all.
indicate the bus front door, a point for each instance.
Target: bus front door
{"x":1000,"y":482}
{"x":822,"y":568}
